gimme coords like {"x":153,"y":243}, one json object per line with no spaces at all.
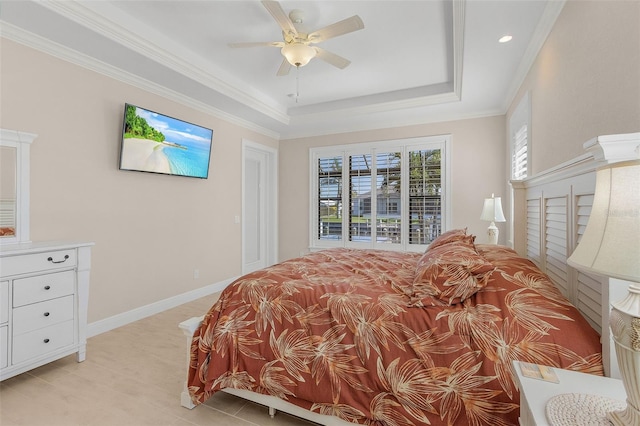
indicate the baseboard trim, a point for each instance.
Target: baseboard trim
{"x":107,"y":324}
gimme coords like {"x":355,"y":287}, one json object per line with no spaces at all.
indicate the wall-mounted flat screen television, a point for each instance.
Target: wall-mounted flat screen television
{"x":156,"y":143}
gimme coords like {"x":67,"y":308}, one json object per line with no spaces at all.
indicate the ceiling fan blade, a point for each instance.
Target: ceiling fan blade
{"x":332,"y":58}
{"x":284,"y":69}
{"x":339,"y":28}
{"x":258,"y":44}
{"x":281,"y":17}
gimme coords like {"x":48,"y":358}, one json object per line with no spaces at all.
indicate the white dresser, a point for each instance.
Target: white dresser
{"x":44,"y":292}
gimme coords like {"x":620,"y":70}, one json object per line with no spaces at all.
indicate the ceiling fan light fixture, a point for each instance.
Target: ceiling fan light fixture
{"x":298,"y":54}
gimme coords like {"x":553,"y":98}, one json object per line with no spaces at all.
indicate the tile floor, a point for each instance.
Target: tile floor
{"x":133,"y":376}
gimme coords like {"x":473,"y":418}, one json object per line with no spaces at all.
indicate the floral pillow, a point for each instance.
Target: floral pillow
{"x":449,"y":274}
{"x":451,"y":236}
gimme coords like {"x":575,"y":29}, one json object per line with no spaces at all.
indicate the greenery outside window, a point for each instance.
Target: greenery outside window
{"x":391,"y":195}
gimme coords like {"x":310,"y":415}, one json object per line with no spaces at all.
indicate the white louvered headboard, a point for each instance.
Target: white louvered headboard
{"x":551,"y":211}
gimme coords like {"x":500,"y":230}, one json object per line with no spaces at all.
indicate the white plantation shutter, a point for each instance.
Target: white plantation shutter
{"x":375,"y":204}
{"x":329,"y":198}
{"x":386,"y":195}
{"x":388,"y":182}
{"x":519,"y":154}
{"x":361,"y":197}
{"x":556,"y":242}
{"x":425,"y":190}
{"x":589,"y":287}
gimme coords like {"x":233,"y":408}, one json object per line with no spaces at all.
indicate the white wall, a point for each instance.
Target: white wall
{"x":584,"y":83}
{"x":150,"y":231}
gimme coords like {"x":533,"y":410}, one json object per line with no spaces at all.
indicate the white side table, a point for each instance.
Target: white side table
{"x":535,"y":393}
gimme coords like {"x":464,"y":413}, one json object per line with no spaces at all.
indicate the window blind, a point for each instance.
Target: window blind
{"x":387,"y":194}
{"x":360,"y":197}
{"x":425,"y":190}
{"x":329,"y":218}
{"x":519,"y":156}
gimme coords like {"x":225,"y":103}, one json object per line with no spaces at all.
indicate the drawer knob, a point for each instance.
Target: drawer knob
{"x":46,"y":314}
{"x":46,"y":340}
{"x":47,"y":287}
{"x":66,"y":256}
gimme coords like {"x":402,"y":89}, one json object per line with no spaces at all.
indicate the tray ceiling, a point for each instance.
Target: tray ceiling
{"x":414,"y":61}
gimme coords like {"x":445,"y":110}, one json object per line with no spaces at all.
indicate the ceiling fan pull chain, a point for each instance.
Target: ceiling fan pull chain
{"x":297,"y":82}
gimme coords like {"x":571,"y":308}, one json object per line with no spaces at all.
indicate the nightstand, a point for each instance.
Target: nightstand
{"x":535,"y":393}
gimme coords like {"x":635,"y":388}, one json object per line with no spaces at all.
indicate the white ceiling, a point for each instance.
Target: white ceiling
{"x":414,"y":62}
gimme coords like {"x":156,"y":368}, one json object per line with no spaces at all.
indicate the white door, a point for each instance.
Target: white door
{"x":259,"y":201}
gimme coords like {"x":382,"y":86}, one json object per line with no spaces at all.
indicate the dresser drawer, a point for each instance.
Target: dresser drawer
{"x":4,"y":302}
{"x":42,"y":287}
{"x":39,"y":315}
{"x":41,"y":341}
{"x":4,"y":341}
{"x":37,"y":262}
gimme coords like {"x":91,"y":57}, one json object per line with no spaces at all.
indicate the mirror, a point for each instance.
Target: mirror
{"x":8,"y":187}
{"x":14,"y":186}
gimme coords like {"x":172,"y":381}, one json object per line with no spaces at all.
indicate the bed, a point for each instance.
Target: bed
{"x":422,"y":354}
{"x":390,"y":338}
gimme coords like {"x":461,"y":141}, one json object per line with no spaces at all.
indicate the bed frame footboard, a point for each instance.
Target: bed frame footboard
{"x":188,"y":327}
{"x":273,"y":403}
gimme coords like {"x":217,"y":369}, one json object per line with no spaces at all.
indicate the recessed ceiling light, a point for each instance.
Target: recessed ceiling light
{"x":505,"y":38}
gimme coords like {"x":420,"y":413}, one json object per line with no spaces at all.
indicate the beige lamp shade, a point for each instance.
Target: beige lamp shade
{"x":610,"y":245}
{"x":492,"y":210}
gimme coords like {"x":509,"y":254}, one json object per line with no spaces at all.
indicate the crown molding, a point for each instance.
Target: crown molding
{"x":100,"y":17}
{"x":59,"y":51}
{"x":459,"y":7}
{"x":373,"y":125}
{"x":545,"y":25}
{"x":88,"y":16}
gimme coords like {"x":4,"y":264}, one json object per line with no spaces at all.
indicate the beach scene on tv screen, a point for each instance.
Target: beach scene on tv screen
{"x":156,"y":143}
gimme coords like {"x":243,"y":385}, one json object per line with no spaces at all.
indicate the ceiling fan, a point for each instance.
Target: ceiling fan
{"x":296,"y":46}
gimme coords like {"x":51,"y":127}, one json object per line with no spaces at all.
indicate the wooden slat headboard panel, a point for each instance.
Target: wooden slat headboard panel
{"x":551,"y":211}
{"x":556,"y":205}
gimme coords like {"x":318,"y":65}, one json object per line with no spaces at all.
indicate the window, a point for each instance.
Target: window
{"x":519,"y":134}
{"x":386,"y":195}
{"x":519,"y":156}
{"x":329,"y":193}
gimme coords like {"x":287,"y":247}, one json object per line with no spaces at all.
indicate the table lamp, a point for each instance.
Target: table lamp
{"x":492,"y":212}
{"x":610,"y":247}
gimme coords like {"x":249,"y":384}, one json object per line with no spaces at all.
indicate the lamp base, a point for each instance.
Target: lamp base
{"x":492,"y":233}
{"x":629,"y":362}
{"x":627,"y":417}
{"x":625,"y":327}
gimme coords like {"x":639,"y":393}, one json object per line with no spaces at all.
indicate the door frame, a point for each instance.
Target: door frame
{"x":269,"y":190}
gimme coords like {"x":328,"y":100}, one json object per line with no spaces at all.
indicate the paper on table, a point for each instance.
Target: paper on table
{"x":541,"y":372}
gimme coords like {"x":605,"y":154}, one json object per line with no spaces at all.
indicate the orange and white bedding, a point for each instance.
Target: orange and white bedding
{"x":388,"y":338}
{"x":7,"y":231}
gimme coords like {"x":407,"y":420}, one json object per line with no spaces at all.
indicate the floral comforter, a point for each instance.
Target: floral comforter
{"x":344,"y":332}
